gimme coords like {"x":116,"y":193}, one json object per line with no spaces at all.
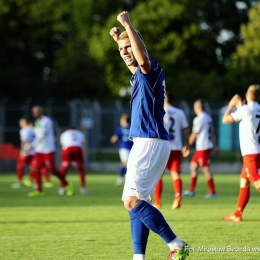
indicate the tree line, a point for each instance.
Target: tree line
{"x":57,"y":48}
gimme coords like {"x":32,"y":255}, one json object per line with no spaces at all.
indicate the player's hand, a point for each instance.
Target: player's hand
{"x":26,"y":148}
{"x":124,"y":19}
{"x":115,"y":32}
{"x":185,"y":151}
{"x":236,"y":101}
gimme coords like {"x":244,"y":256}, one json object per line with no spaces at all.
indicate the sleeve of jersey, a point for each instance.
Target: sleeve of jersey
{"x":237,"y":115}
{"x":118,"y":132}
{"x":196,"y":126}
{"x":22,"y":136}
{"x":185,"y":123}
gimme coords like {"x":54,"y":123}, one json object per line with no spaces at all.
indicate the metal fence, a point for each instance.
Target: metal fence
{"x":98,"y":121}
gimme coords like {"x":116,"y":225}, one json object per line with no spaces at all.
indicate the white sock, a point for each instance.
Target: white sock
{"x":175,"y":244}
{"x":139,"y":257}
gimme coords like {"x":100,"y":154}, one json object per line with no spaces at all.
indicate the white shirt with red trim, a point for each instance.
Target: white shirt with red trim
{"x":174,"y":122}
{"x":203,"y":127}
{"x":44,"y":132}
{"x":248,"y":117}
{"x":71,"y":137}
{"x":27,"y":136}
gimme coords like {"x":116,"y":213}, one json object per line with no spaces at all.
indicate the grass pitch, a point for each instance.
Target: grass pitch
{"x":96,"y":226}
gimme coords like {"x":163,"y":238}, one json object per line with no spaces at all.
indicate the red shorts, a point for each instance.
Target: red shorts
{"x":202,"y":158}
{"x":22,"y":161}
{"x":73,"y":153}
{"x":174,"y":161}
{"x":41,"y":160}
{"x":251,"y":167}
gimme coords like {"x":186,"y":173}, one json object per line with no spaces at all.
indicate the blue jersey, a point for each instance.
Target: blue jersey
{"x":123,"y":141}
{"x":147,"y":101}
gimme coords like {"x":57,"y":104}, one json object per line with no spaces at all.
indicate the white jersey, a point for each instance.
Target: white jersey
{"x":27,"y":135}
{"x":203,"y":127}
{"x":249,"y":128}
{"x":44,"y":141}
{"x":174,"y":122}
{"x":70,"y":138}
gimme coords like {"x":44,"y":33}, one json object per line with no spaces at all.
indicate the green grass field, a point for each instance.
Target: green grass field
{"x":96,"y":226}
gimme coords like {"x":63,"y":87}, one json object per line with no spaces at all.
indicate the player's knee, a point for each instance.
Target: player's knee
{"x":130,"y":202}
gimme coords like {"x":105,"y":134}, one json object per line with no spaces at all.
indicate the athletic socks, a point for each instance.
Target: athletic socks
{"x":211,"y":186}
{"x":193,"y":184}
{"x":82,"y":178}
{"x":175,"y":244}
{"x":45,"y":174}
{"x":158,"y":192}
{"x":242,"y":201}
{"x":140,"y":235}
{"x":122,"y":172}
{"x":153,"y":219}
{"x":177,"y":186}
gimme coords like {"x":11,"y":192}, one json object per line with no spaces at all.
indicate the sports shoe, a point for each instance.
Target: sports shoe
{"x":188,"y":193}
{"x":180,"y":254}
{"x":48,"y":184}
{"x":158,"y":206}
{"x":232,"y":218}
{"x":83,"y":191}
{"x":27,"y":183}
{"x":35,"y":193}
{"x":119,"y":181}
{"x":69,"y":189}
{"x":62,"y":191}
{"x":17,"y":185}
{"x":176,"y":204}
{"x":210,"y":196}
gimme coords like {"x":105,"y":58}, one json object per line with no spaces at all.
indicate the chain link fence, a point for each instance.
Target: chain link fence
{"x":98,"y":121}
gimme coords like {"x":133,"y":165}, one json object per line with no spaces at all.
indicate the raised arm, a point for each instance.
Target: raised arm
{"x":137,"y":45}
{"x":236,"y":101}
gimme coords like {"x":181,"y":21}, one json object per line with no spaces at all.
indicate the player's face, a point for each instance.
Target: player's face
{"x":36,"y":112}
{"x":22,"y":123}
{"x":196,"y":108}
{"x":125,"y":49}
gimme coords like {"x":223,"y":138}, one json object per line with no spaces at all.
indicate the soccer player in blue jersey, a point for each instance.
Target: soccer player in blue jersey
{"x":125,"y":144}
{"x":151,"y":148}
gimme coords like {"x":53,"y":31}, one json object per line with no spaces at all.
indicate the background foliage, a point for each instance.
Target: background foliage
{"x":63,"y":49}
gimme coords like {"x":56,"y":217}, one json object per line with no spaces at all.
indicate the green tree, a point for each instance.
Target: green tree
{"x":185,"y":37}
{"x":244,"y":65}
{"x":44,"y":47}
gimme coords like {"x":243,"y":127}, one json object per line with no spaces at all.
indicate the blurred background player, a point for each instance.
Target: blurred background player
{"x":175,"y":122}
{"x":44,"y":145}
{"x":27,"y":136}
{"x":248,"y":117}
{"x":72,"y":141}
{"x":121,"y":135}
{"x":202,"y":134}
{"x":25,"y":158}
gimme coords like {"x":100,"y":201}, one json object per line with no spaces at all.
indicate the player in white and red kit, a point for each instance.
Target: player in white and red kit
{"x":202,"y":133}
{"x":25,"y":158}
{"x":248,"y":116}
{"x":44,"y":146}
{"x":175,"y":123}
{"x":27,"y":136}
{"x":72,"y":141}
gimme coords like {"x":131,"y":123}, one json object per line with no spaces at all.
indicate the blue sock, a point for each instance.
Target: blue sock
{"x":139,"y":233}
{"x":122,"y":171}
{"x":154,"y":220}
